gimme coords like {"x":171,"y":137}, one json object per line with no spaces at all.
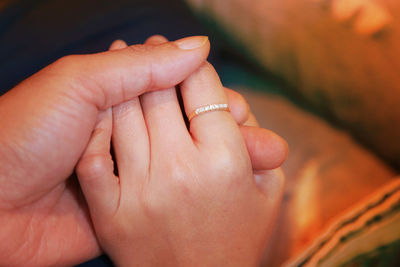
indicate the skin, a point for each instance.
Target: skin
{"x":47,"y":122}
{"x":182,"y":197}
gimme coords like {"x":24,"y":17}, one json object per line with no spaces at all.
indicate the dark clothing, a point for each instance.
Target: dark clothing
{"x":34,"y":33}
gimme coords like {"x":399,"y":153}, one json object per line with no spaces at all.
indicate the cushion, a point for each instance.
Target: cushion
{"x":341,"y":56}
{"x":327,"y":172}
{"x":366,"y":235}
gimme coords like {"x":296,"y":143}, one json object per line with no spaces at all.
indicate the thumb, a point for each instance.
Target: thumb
{"x":272,"y":184}
{"x":54,"y":111}
{"x":266,"y":149}
{"x":113,"y":77}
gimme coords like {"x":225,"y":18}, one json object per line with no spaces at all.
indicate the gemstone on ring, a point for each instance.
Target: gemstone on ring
{"x":208,"y":108}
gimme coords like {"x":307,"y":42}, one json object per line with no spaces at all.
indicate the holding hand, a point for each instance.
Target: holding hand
{"x":181,"y":198}
{"x":46,"y":122}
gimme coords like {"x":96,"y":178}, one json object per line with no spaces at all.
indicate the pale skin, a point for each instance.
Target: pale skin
{"x":183,"y":197}
{"x":47,"y":122}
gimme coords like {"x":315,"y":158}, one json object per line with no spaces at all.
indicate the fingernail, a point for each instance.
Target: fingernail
{"x":190,"y":43}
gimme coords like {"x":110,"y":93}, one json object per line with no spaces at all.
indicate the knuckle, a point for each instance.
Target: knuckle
{"x":139,"y":48}
{"x":79,"y":73}
{"x":93,"y":166}
{"x":61,"y":67}
{"x":178,"y":173}
{"x":67,"y":63}
{"x":227,"y":162}
{"x":181,"y":176}
{"x":69,"y":70}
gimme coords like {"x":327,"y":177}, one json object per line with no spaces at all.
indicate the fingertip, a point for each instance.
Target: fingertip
{"x":192,"y":42}
{"x":284,"y":147}
{"x":267,"y":150}
{"x":156,"y":39}
{"x":238,"y":106}
{"x":279,"y":148}
{"x":110,"y":78}
{"x":118,"y":44}
{"x":93,"y":167}
{"x":166,"y":60}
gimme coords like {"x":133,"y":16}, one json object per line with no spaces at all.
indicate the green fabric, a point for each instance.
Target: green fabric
{"x":384,"y":256}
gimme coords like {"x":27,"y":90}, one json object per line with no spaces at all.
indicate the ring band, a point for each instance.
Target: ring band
{"x":208,"y":108}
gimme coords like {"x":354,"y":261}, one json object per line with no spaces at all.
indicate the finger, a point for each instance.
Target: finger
{"x":238,"y":106}
{"x":271,"y":183}
{"x":95,"y":170}
{"x":240,"y":109}
{"x":131,"y":145}
{"x":109,"y":78}
{"x":251,"y":121}
{"x":156,"y":40}
{"x":91,"y":166}
{"x":88,"y":83}
{"x":163,"y":115}
{"x":118,"y":44}
{"x":69,"y":95}
{"x":130,"y":140}
{"x":216,"y":128}
{"x":266,"y":149}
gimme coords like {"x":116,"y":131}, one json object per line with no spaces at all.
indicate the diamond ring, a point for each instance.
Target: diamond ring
{"x":208,"y":108}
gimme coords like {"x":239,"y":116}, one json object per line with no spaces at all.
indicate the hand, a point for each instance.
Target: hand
{"x":181,"y":198}
{"x":46,"y":123}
